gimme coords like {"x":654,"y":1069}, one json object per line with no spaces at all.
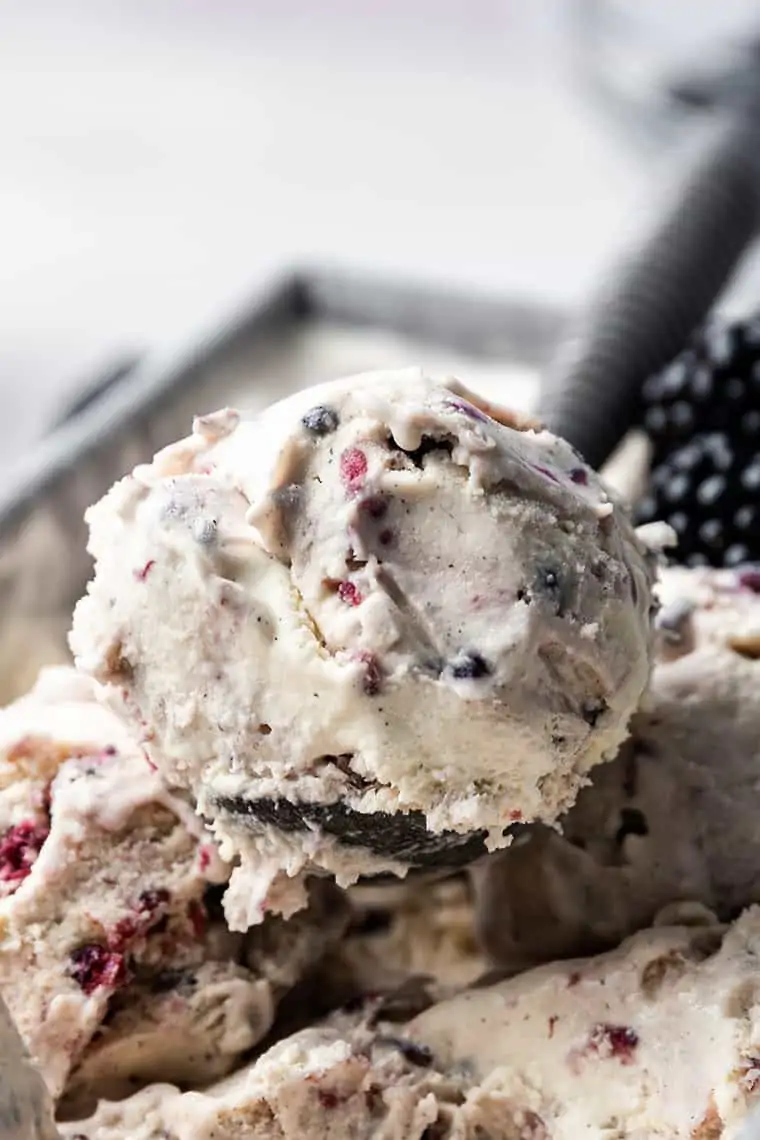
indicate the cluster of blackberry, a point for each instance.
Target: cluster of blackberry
{"x":702,"y":415}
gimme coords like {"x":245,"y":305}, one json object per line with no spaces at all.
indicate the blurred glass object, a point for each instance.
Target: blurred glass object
{"x":651,"y":67}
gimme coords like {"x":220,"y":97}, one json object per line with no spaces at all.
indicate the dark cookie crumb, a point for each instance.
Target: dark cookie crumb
{"x":403,"y":836}
{"x":172,"y":979}
{"x":343,"y":763}
{"x":655,"y":973}
{"x":632,"y":822}
{"x":415,"y":1054}
{"x":555,"y":587}
{"x":469,"y":665}
{"x":592,"y":711}
{"x":152,"y":900}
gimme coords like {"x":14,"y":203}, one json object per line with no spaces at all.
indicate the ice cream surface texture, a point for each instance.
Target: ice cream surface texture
{"x":115,"y":962}
{"x":659,"y":1038}
{"x":376,"y":620}
{"x":674,"y":816}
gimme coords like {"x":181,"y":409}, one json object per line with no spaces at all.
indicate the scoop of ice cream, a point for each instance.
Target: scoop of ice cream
{"x":381,"y":616}
{"x":26,"y":1111}
{"x":674,"y":816}
{"x":109,"y":940}
{"x":658,"y":1038}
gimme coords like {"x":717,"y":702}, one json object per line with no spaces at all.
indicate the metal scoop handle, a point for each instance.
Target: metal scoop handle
{"x":649,"y":306}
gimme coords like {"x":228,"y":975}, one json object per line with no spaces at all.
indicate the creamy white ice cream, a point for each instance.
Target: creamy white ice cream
{"x":114,"y":960}
{"x":378,"y":617}
{"x":674,"y":817}
{"x":659,"y":1038}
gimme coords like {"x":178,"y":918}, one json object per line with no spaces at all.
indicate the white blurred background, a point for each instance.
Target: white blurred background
{"x":162,"y":157}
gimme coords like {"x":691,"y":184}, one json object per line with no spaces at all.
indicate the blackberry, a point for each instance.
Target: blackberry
{"x":320,"y":420}
{"x":702,"y":415}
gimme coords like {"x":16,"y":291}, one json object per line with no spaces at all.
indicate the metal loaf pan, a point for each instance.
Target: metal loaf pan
{"x":309,"y":327}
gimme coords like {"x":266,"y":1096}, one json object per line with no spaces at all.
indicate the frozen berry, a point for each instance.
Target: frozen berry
{"x":320,"y":420}
{"x":19,"y":848}
{"x":122,"y":933}
{"x":702,"y":415}
{"x":618,"y":1041}
{"x":469,"y":666}
{"x":349,"y":593}
{"x":749,"y":578}
{"x":93,"y":966}
{"x":353,"y":468}
{"x":375,"y":506}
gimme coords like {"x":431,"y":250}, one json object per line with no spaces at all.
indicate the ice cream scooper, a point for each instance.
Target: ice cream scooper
{"x":639,"y":320}
{"x":372,"y":550}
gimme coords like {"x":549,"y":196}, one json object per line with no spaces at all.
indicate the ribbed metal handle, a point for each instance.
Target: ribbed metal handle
{"x":651,"y":303}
